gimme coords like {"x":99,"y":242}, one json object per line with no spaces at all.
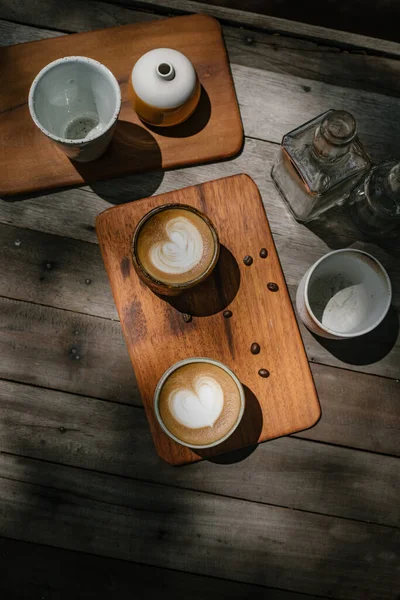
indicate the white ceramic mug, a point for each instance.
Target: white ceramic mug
{"x":187,"y":361}
{"x":345,"y":294}
{"x":75,"y":101}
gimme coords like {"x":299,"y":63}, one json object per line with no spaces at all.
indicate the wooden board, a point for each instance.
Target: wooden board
{"x":157,"y":336}
{"x":29,"y":162}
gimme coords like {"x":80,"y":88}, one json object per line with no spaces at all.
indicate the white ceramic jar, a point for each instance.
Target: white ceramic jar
{"x":164,"y":88}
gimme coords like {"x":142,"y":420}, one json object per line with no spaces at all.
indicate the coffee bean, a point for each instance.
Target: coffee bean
{"x":248,"y":260}
{"x":263,"y":373}
{"x":186,"y":317}
{"x":255,"y":348}
{"x":263,"y":253}
{"x":227,"y":314}
{"x":273,"y":287}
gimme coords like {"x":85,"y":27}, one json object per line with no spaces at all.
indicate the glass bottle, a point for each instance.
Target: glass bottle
{"x":375,"y":202}
{"x":319,"y":164}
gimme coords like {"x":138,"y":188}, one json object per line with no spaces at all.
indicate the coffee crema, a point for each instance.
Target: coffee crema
{"x":175,"y":246}
{"x":199,"y":403}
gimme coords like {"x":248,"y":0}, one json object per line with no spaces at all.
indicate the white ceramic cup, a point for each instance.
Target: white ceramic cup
{"x":187,"y":361}
{"x":75,"y":101}
{"x":345,"y":294}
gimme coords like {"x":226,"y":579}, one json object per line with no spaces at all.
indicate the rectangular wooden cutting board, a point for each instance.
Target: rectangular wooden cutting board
{"x":29,"y":161}
{"x":157,"y":335}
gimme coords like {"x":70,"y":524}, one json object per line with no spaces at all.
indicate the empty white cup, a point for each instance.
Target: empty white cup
{"x":75,"y":101}
{"x":346,"y":293}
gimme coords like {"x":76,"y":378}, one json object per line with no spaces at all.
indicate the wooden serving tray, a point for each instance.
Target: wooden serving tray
{"x":157,"y":335}
{"x":30,"y":162}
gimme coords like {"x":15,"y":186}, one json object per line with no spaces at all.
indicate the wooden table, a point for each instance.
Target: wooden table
{"x":87,"y":509}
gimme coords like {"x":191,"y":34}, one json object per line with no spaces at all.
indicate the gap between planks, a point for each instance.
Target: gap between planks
{"x":180,"y":487}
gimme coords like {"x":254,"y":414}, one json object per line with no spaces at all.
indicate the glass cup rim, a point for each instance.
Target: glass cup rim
{"x":382,"y":271}
{"x":82,"y":60}
{"x":182,"y":285}
{"x":187,"y":361}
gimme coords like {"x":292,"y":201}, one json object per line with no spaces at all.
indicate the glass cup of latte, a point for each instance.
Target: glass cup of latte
{"x":199,"y":402}
{"x":174,"y":248}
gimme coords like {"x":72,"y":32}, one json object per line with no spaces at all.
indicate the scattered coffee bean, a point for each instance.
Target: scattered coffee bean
{"x":227,"y":314}
{"x":263,"y":253}
{"x":248,"y":260}
{"x":255,"y":348}
{"x":263,"y":373}
{"x":186,"y":317}
{"x":273,"y":287}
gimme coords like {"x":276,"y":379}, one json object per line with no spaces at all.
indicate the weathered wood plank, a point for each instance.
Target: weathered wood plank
{"x":196,"y":532}
{"x":63,"y":574}
{"x":93,"y":434}
{"x":312,"y":60}
{"x":272,"y":104}
{"x":107,"y":15}
{"x":284,"y":26}
{"x":55,"y":271}
{"x":69,"y":274}
{"x":65,"y":350}
{"x":39,"y":345}
{"x":10,"y":33}
{"x":357,"y":410}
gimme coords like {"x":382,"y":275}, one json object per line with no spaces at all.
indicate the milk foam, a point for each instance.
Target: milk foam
{"x":183,"y":250}
{"x":198,"y":408}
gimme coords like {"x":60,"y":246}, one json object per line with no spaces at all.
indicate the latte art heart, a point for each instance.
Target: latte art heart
{"x":200,"y":408}
{"x":182,"y":251}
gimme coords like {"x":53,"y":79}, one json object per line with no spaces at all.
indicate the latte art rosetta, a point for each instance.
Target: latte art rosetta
{"x":182,"y":251}
{"x":198,"y":408}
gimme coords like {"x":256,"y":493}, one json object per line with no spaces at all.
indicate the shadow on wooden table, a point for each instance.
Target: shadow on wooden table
{"x":366,"y":349}
{"x":337,"y":230}
{"x":215,"y":293}
{"x":131,"y":144}
{"x":245,"y":436}
{"x":194,"y":124}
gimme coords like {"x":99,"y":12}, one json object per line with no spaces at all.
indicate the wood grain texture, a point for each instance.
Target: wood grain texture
{"x":196,"y":532}
{"x":213,"y":132}
{"x":278,"y":25}
{"x":249,"y":47}
{"x":93,"y":434}
{"x":359,"y":410}
{"x":65,"y":574}
{"x":68,"y":274}
{"x":157,"y":337}
{"x":38,"y":346}
{"x":64,"y":350}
